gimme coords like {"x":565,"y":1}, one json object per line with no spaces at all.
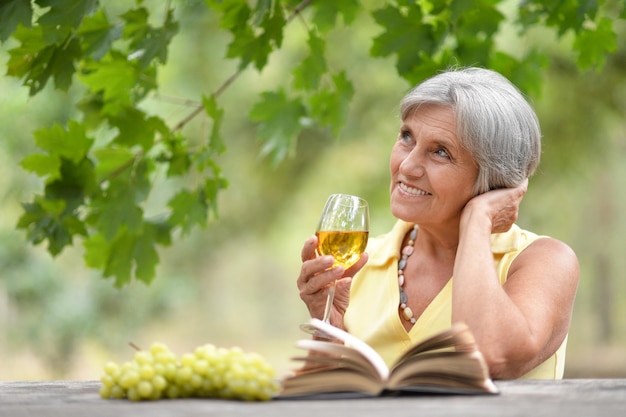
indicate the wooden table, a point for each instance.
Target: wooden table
{"x":569,"y":397}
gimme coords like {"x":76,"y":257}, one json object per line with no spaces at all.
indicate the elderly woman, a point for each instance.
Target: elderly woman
{"x":459,"y":169}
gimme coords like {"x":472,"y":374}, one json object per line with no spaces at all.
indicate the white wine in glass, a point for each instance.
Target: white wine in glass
{"x":342,"y":232}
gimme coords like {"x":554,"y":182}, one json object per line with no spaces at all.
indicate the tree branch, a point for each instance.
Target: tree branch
{"x":295,"y":13}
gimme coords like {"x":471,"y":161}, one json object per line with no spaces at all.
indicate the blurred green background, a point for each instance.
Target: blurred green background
{"x":234,"y":282}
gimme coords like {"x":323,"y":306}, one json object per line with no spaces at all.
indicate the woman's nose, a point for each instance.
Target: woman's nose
{"x":413,"y":164}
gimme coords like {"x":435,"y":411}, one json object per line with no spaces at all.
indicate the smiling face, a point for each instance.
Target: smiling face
{"x":432,"y":175}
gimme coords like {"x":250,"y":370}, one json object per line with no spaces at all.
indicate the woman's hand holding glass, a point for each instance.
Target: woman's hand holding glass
{"x":332,"y":257}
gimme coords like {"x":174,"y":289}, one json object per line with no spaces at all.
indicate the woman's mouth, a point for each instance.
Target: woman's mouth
{"x":412,"y":190}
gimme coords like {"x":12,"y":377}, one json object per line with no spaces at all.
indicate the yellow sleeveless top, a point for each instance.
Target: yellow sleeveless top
{"x":372,"y":314}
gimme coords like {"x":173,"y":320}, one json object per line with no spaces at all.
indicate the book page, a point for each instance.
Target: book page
{"x":367,"y":351}
{"x":340,"y":356}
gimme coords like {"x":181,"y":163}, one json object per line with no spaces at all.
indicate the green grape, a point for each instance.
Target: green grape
{"x":144,"y":389}
{"x":129,"y":379}
{"x":159,"y":382}
{"x":208,"y":371}
{"x":146,"y":372}
{"x":105,"y":391}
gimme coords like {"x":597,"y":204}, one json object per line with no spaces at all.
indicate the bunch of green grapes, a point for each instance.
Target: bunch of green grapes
{"x":208,"y":372}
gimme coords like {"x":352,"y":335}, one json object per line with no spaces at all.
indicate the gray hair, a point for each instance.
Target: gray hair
{"x":494,"y":123}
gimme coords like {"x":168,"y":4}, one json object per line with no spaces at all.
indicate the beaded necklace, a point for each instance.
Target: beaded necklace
{"x":407,"y":251}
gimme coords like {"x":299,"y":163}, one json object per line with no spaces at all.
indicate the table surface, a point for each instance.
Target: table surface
{"x":568,"y":397}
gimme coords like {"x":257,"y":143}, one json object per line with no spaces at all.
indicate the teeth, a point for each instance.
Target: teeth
{"x":411,"y":190}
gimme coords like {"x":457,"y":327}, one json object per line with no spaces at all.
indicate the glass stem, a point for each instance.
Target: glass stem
{"x":329,"y":302}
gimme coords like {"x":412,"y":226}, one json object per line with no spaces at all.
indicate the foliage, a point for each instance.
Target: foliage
{"x":100,"y":167}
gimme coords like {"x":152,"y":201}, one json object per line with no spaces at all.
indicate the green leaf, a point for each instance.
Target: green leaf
{"x":75,"y":184}
{"x":279,"y":121}
{"x":232,"y":13}
{"x":114,"y":77}
{"x":61,"y":18}
{"x":49,"y":219}
{"x":177,"y":156}
{"x":119,"y":263}
{"x":212,"y":186}
{"x":97,"y":34}
{"x":128,"y":254}
{"x":331,"y":107}
{"x":527,"y":73}
{"x":112,"y":161}
{"x":136,"y":128}
{"x":307,"y":75}
{"x":41,"y":225}
{"x":66,"y":12}
{"x":251,"y":43}
{"x":12,"y":14}
{"x":36,"y":61}
{"x":216,"y":113}
{"x":145,"y":255}
{"x":189,"y":208}
{"x":428,"y":66}
{"x":148,"y":43}
{"x":44,"y":165}
{"x":327,"y":12}
{"x":117,"y":209}
{"x":593,"y":45}
{"x":72,"y":143}
{"x":96,"y":251}
{"x":560,"y":14}
{"x":405,"y":35}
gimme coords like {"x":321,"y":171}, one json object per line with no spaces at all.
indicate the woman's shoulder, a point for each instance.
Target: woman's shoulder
{"x":551,"y":255}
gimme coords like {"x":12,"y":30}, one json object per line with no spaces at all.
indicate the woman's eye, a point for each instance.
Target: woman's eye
{"x":443,"y":153}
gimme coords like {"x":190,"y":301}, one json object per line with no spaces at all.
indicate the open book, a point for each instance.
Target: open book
{"x":448,"y":362}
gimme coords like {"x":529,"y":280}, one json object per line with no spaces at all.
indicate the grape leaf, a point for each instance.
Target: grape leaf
{"x":148,"y":43}
{"x":60,"y":18}
{"x":72,"y":143}
{"x":177,"y":155}
{"x":96,"y":251}
{"x":594,"y":44}
{"x":41,"y":224}
{"x":114,"y":77}
{"x":253,"y":44}
{"x":128,"y":253}
{"x":307,"y":75}
{"x":211,"y":188}
{"x":97,"y":34}
{"x":66,"y":13}
{"x":12,"y":14}
{"x":136,"y":128}
{"x":116,"y":209}
{"x":111,"y":160}
{"x":527,"y":76}
{"x":217,"y":114}
{"x":404,"y":35}
{"x":54,"y":216}
{"x":145,"y":254}
{"x":232,"y":13}
{"x":119,"y":262}
{"x":44,"y":165}
{"x":279,"y":121}
{"x":326,"y":13}
{"x":331,"y":107}
{"x":37,"y":61}
{"x":189,"y":208}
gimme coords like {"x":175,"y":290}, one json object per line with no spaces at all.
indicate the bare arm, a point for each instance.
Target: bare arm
{"x":520,"y":324}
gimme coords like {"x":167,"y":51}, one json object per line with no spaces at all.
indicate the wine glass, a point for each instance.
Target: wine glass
{"x":342,"y":232}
